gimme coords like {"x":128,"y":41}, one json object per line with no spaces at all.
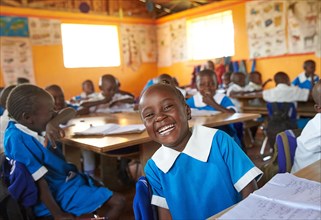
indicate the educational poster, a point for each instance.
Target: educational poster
{"x":138,"y":44}
{"x":318,"y":28}
{"x":16,"y":59}
{"x":44,"y":31}
{"x":147,"y":42}
{"x":266,"y":28}
{"x":302,"y":24}
{"x":178,"y":40}
{"x":164,"y":45}
{"x":130,"y":47}
{"x":13,"y":26}
{"x":172,"y":42}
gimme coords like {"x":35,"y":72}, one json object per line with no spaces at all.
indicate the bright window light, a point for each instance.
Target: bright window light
{"x":210,"y":36}
{"x":90,"y":45}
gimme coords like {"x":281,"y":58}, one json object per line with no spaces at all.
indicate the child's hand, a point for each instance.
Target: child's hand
{"x":208,"y":99}
{"x":53,"y":133}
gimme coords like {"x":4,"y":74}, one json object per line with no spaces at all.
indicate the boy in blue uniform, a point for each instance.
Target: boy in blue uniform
{"x":308,"y":78}
{"x":63,"y":191}
{"x":193,"y":175}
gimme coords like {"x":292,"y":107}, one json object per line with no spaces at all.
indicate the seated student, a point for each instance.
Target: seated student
{"x":238,"y":86}
{"x":308,"y":78}
{"x":226,"y":83}
{"x":284,"y":92}
{"x":89,"y":162}
{"x":309,"y":142}
{"x":4,"y":118}
{"x":88,"y":90}
{"x":206,"y":97}
{"x":63,"y":191}
{"x":59,"y":97}
{"x":122,"y":91}
{"x":167,"y":79}
{"x":194,"y":174}
{"x":108,"y":98}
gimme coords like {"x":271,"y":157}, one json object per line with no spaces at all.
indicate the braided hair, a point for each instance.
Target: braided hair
{"x":23,"y":99}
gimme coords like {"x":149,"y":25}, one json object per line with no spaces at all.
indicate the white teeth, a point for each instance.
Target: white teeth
{"x":166,"y":128}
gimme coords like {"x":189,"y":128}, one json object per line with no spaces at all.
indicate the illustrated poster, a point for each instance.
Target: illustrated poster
{"x":138,"y":44}
{"x":16,"y":59}
{"x":302,"y":25}
{"x":44,"y":31}
{"x":266,"y":28}
{"x":164,"y":45}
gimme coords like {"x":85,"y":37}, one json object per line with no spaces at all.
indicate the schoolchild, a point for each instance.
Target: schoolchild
{"x":108,"y":98}
{"x":167,"y":79}
{"x":284,"y":92}
{"x":309,"y":142}
{"x":89,"y":161}
{"x":194,"y":174}
{"x":308,"y":78}
{"x":4,"y":118}
{"x":63,"y":191}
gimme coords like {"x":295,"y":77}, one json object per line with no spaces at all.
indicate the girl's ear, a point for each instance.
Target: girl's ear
{"x":188,"y":112}
{"x":26,"y":118}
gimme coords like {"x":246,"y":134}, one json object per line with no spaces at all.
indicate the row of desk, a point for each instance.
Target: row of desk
{"x":254,"y":103}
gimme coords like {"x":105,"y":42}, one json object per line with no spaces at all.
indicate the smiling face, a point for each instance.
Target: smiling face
{"x":59,"y":97}
{"x":206,"y":84}
{"x":165,"y":116}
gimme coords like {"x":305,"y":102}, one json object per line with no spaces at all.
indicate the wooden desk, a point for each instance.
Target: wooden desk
{"x":104,"y":144}
{"x":311,"y":172}
{"x":248,"y":105}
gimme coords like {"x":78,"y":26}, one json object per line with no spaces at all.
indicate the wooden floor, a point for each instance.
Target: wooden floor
{"x":129,"y":190}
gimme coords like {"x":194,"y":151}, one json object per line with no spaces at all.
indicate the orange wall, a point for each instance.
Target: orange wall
{"x":291,"y":64}
{"x":48,"y":60}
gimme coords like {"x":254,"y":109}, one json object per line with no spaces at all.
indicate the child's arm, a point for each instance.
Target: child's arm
{"x":48,"y":200}
{"x":266,"y":82}
{"x":88,"y":104}
{"x":53,"y":131}
{"x":164,"y":214}
{"x":251,"y":187}
{"x":123,"y":101}
{"x":208,"y":99}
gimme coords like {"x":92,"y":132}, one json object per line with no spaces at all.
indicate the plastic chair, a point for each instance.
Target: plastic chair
{"x":143,"y":209}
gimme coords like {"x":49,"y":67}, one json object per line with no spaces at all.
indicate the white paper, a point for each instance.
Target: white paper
{"x":196,"y":112}
{"x":285,"y":196}
{"x":111,"y":129}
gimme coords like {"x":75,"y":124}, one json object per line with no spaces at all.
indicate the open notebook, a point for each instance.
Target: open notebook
{"x":285,"y":196}
{"x":111,"y":129}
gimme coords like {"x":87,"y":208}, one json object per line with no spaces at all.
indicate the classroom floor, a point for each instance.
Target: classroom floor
{"x":129,"y":190}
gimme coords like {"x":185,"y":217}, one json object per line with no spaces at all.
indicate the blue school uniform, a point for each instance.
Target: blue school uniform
{"x":203,"y":179}
{"x":196,"y":102}
{"x":73,"y":191}
{"x":304,"y":82}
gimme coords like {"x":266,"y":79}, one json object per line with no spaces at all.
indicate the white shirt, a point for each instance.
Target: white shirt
{"x":235,"y":88}
{"x":105,"y":108}
{"x":285,"y":93}
{"x":253,"y":86}
{"x":309,"y":144}
{"x":4,"y":121}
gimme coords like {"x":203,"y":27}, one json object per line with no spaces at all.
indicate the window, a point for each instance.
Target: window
{"x":210,"y":36}
{"x":90,"y":45}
